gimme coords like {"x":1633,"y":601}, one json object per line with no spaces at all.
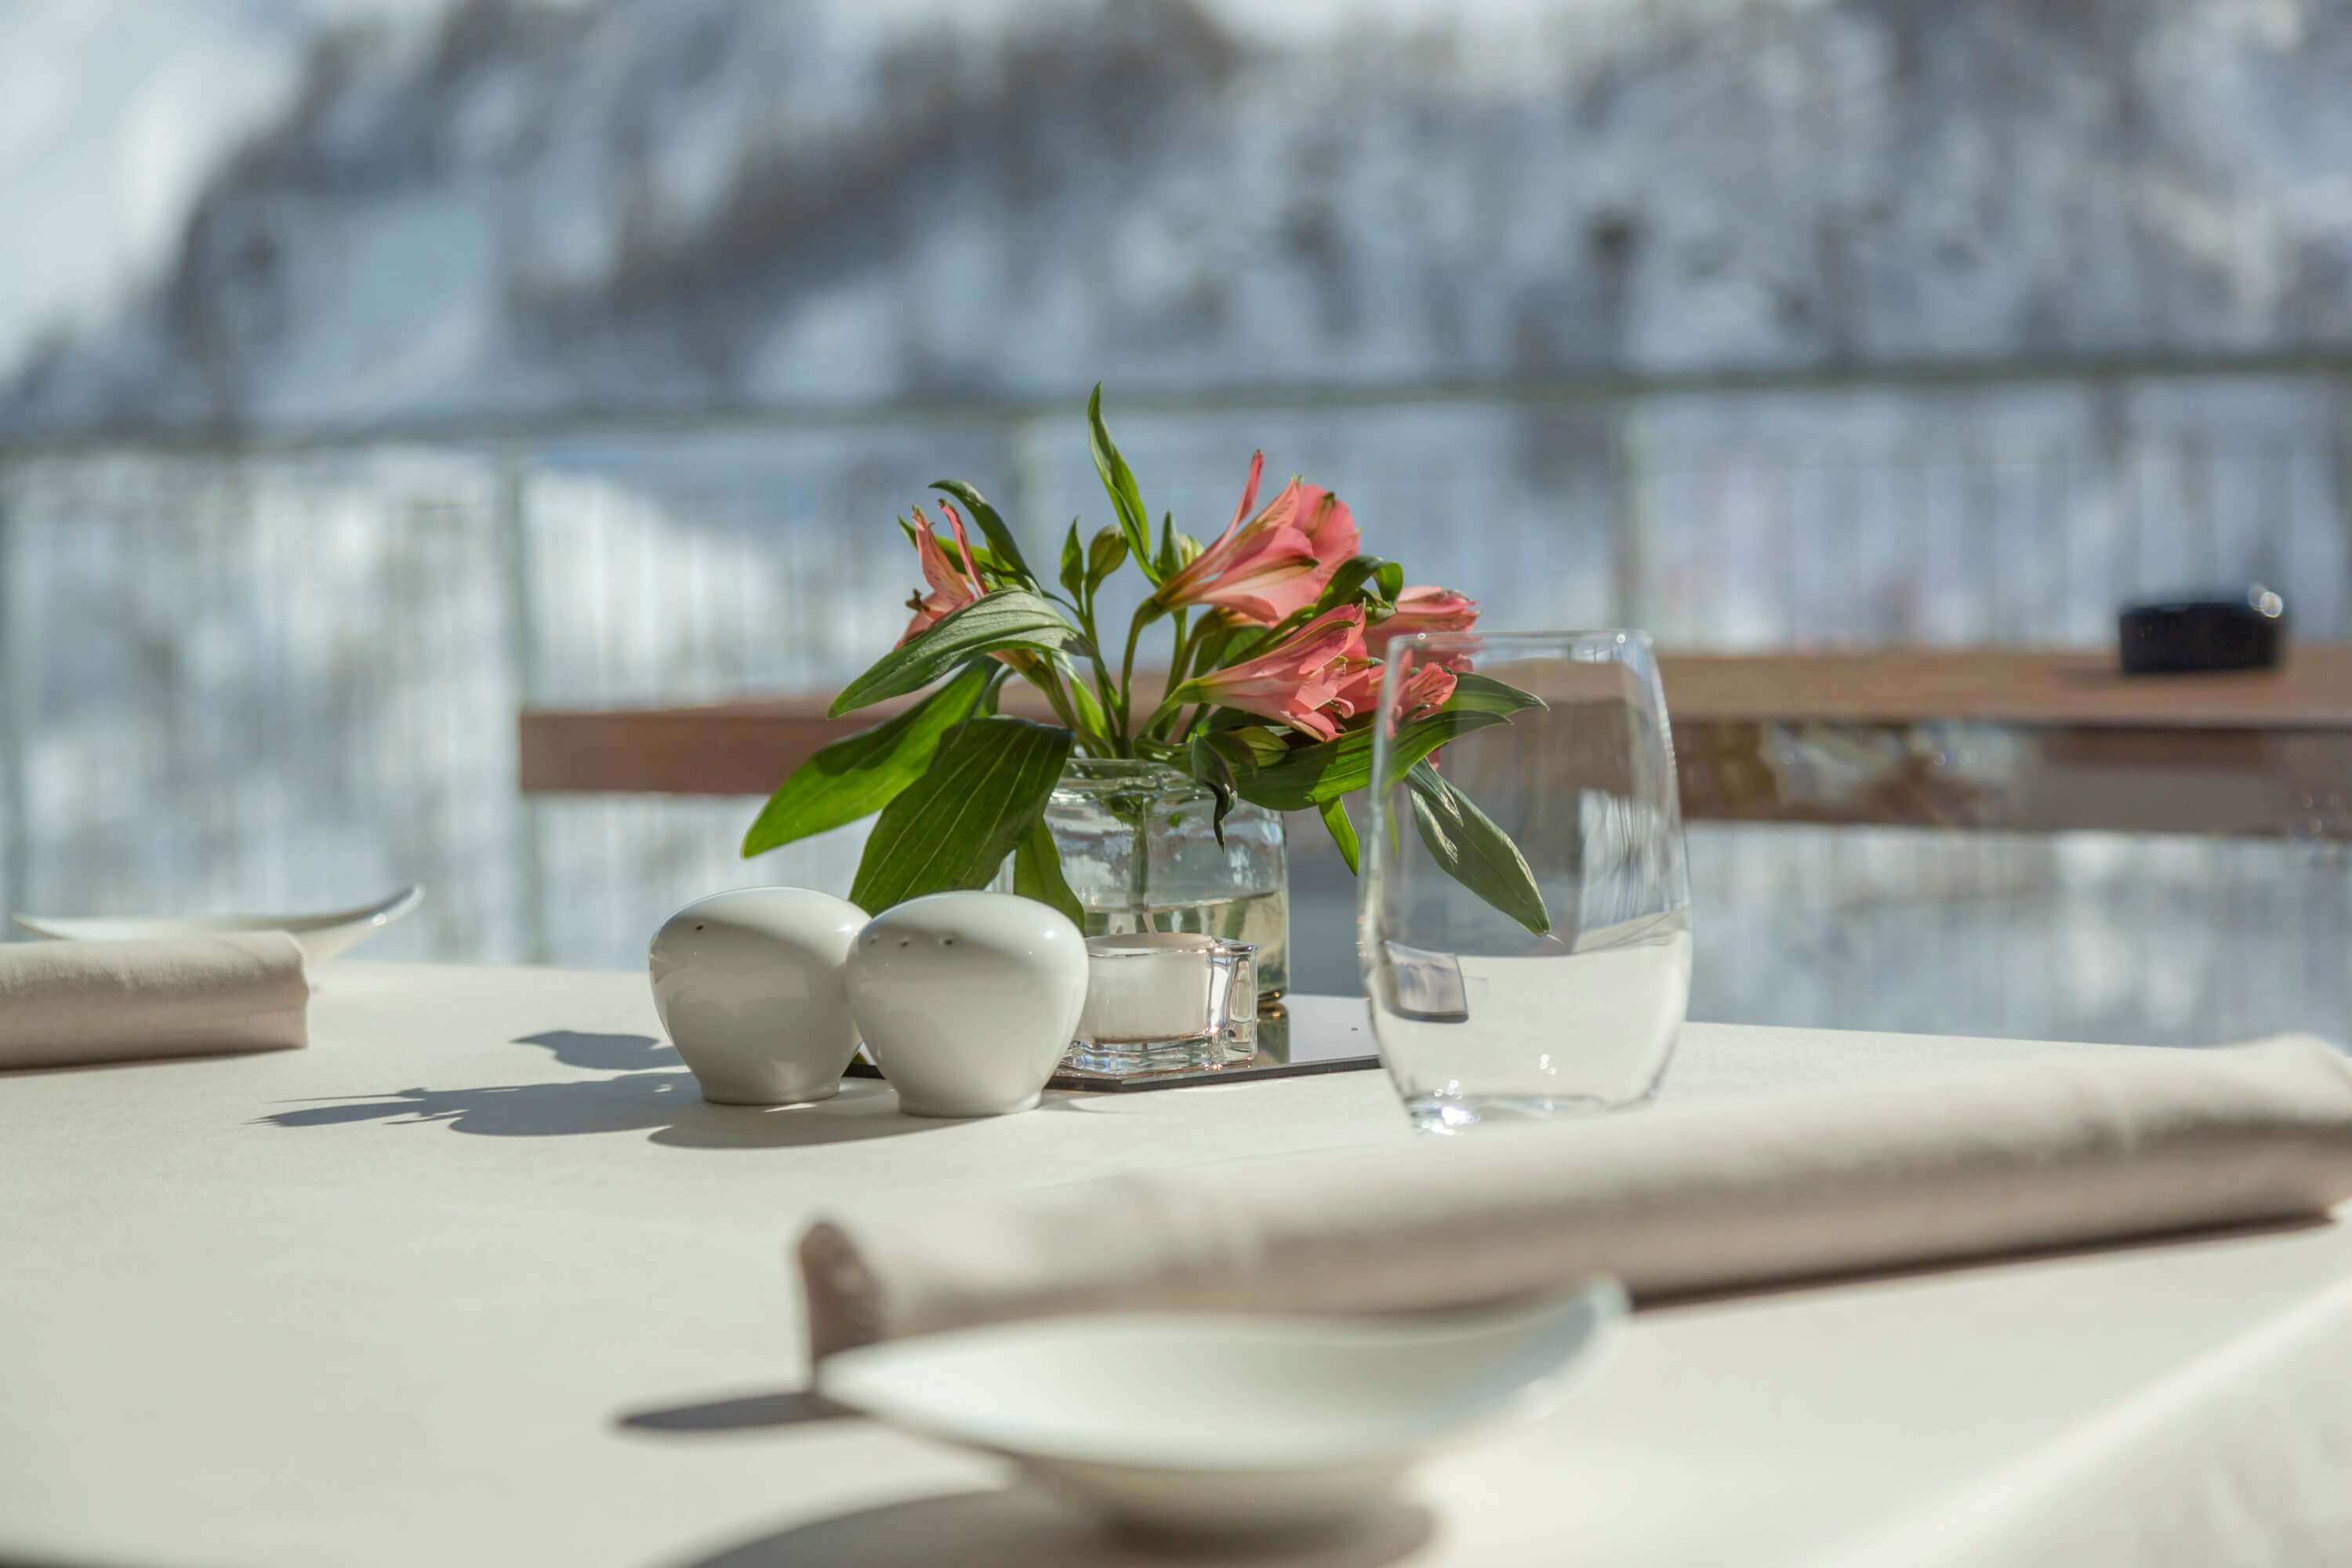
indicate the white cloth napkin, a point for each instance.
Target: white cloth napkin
{"x":2076,"y":1147}
{"x":67,"y":1003}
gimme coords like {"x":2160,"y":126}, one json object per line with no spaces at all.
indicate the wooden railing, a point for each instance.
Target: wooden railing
{"x":2036,"y":742}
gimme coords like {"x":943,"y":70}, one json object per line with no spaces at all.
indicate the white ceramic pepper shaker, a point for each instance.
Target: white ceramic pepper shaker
{"x":750,"y":987}
{"x":968,"y":1000}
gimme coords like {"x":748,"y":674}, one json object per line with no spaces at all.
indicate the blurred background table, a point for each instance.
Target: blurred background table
{"x":1990,"y":842}
{"x":1993,"y":739}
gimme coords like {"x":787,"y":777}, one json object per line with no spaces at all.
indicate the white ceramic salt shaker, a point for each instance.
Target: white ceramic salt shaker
{"x":750,"y":987}
{"x":968,"y":1000}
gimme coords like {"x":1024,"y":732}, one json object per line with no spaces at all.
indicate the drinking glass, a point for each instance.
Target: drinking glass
{"x":1524,"y":908}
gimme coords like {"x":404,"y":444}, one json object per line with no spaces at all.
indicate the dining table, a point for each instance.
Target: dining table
{"x":478,"y":1276}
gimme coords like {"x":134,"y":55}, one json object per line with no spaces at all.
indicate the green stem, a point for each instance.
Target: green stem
{"x":1127,"y":675}
{"x":1168,"y":706}
{"x":1176,"y":664}
{"x":1041,"y":676}
{"x":1043,"y":672}
{"x":1138,"y":870}
{"x":1093,"y":657}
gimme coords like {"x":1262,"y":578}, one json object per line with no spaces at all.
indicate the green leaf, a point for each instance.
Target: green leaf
{"x":1207,"y":651}
{"x":1009,"y":618}
{"x":1346,"y":583}
{"x":1118,"y":482}
{"x":1264,"y":746}
{"x":1377,"y":590}
{"x":1000,"y":538}
{"x":1415,"y":739}
{"x":1037,"y":873}
{"x":1210,"y":760}
{"x":1104,"y":556}
{"x":1343,"y":832}
{"x":990,"y":565}
{"x":1074,"y":564}
{"x":1469,"y":847}
{"x":1082,"y":697}
{"x":1485,"y":694}
{"x":1307,"y":776}
{"x":1210,"y":756}
{"x":954,"y":827}
{"x":859,"y":776}
{"x":1241,"y":644}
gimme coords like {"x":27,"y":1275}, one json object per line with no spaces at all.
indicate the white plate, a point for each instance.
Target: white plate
{"x":1194,"y":1423}
{"x":319,"y":936}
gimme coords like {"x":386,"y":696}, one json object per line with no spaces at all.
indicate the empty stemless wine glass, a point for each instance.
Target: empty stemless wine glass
{"x":1524,"y":918}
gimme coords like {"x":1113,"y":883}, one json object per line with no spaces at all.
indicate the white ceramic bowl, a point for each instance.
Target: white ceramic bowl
{"x":1198,"y":1424}
{"x":319,"y":936}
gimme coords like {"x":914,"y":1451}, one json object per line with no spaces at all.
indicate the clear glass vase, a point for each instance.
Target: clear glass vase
{"x":1139,"y":849}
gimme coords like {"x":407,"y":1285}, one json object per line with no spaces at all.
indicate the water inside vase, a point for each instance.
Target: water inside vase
{"x":1141,"y":850}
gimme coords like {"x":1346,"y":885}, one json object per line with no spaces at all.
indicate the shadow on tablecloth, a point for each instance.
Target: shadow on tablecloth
{"x":745,"y":1413}
{"x":649,"y":1091}
{"x":1025,"y":1529}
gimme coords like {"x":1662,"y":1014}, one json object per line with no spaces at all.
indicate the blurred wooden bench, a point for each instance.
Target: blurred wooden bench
{"x":1988,"y":739}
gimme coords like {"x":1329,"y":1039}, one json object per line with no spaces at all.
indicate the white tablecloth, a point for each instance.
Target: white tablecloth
{"x":478,"y":1279}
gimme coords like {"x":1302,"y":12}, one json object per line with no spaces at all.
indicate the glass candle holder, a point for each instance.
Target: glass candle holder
{"x":1141,"y":851}
{"x":1165,"y":1000}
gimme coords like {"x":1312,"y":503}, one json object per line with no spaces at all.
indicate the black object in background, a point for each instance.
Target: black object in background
{"x":2176,"y":636}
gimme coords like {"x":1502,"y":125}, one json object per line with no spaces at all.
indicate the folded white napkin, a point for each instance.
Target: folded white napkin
{"x":66,"y":1003}
{"x":2075,"y":1147}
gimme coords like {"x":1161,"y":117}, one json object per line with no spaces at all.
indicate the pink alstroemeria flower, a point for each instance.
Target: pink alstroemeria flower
{"x":1277,"y":563}
{"x":1423,"y":609}
{"x":950,"y":590}
{"x":1426,"y":689}
{"x":1332,"y":533}
{"x":1356,"y":692}
{"x":1295,"y":682}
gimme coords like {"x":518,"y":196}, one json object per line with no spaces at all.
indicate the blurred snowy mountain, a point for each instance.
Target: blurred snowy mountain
{"x":529,"y":208}
{"x":113,"y":115}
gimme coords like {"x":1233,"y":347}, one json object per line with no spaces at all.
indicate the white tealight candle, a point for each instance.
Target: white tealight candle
{"x":1159,"y":988}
